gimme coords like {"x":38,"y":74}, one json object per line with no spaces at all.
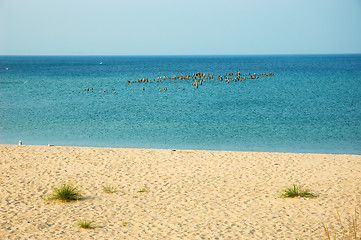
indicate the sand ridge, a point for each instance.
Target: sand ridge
{"x":192,"y":194}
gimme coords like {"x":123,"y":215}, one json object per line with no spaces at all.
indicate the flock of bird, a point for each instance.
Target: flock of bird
{"x":199,"y":79}
{"x":196,"y":79}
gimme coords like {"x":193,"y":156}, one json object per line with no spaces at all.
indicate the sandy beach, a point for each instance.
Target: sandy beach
{"x":190,"y":194}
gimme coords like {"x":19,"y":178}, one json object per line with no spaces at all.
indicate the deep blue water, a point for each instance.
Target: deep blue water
{"x":311,"y":104}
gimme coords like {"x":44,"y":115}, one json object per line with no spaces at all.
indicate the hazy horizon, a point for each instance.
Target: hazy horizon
{"x":174,"y":55}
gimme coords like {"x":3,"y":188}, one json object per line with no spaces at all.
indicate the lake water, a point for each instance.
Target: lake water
{"x":311,"y":104}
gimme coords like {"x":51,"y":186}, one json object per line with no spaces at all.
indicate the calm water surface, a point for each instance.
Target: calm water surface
{"x":312,"y":104}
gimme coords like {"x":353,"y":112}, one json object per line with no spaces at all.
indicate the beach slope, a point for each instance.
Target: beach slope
{"x":187,"y":194}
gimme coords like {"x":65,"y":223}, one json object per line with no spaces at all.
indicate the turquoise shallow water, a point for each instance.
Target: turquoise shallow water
{"x":312,"y":104}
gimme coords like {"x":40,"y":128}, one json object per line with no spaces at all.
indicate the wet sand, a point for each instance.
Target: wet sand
{"x":191,"y":194}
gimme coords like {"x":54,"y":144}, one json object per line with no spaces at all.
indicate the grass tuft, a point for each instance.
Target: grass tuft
{"x":144,"y":189}
{"x":297,"y":191}
{"x":109,"y":189}
{"x":65,"y":193}
{"x":350,"y":232}
{"x":85,"y":224}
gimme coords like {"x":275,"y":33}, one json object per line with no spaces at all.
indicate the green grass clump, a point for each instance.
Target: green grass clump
{"x":144,"y":189}
{"x":66,"y":193}
{"x":85,"y":224}
{"x":109,"y":189}
{"x":297,"y":191}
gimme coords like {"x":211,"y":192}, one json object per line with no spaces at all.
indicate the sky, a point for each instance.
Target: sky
{"x":179,"y":27}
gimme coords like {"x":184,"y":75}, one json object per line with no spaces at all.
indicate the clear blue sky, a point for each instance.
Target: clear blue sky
{"x":179,"y":27}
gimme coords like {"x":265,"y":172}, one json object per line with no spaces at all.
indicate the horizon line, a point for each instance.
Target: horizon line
{"x":180,"y":55}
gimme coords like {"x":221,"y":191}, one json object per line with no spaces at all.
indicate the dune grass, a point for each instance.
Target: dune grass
{"x":143,"y":189}
{"x":351,"y":232}
{"x":65,"y":193}
{"x":297,"y":191}
{"x":109,"y":188}
{"x":86,"y":224}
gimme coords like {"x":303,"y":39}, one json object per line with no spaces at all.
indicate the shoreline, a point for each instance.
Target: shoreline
{"x":192,"y":194}
{"x":185,"y":149}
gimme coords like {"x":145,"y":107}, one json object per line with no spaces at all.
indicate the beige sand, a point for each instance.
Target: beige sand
{"x":192,"y":194}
